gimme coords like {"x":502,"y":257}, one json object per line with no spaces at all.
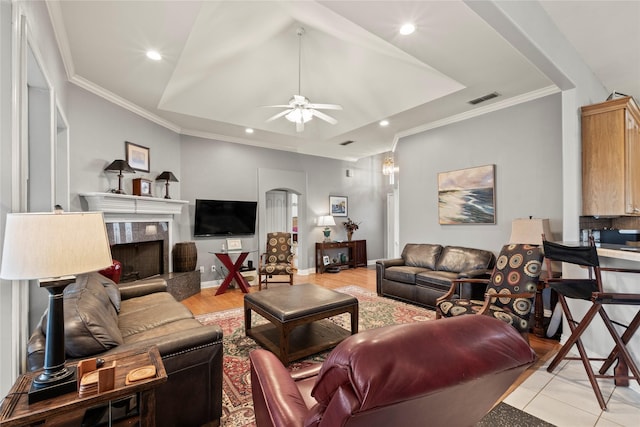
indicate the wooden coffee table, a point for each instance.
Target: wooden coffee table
{"x":298,"y":319}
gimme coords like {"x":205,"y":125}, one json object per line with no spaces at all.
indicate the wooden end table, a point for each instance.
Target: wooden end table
{"x":69,"y":409}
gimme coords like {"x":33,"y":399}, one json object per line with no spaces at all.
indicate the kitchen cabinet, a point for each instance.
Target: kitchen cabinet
{"x":611,"y":158}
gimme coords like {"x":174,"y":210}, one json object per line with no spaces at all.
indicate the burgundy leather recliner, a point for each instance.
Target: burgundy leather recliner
{"x":444,"y":372}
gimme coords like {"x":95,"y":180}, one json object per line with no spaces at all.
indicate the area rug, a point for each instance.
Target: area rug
{"x":374,"y":312}
{"x":237,"y":406}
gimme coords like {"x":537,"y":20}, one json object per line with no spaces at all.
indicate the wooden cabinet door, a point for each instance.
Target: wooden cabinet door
{"x":603,"y":163}
{"x":632,"y":130}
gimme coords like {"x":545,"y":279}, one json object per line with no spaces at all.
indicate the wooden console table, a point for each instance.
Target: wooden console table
{"x":70,"y":409}
{"x":356,"y":254}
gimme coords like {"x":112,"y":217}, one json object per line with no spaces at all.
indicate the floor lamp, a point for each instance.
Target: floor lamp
{"x":52,"y":248}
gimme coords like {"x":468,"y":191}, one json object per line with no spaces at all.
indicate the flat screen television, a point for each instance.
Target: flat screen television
{"x":224,"y":218}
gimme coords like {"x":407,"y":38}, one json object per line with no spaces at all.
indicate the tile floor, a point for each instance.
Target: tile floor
{"x":565,"y":398}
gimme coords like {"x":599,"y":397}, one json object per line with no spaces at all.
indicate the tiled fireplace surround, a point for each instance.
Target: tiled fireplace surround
{"x":141,"y":247}
{"x":139,"y":229}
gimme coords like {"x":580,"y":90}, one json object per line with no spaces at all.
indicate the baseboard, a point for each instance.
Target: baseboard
{"x":211,"y":284}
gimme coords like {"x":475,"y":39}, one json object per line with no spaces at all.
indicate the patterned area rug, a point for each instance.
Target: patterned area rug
{"x":237,"y":405}
{"x":374,"y":312}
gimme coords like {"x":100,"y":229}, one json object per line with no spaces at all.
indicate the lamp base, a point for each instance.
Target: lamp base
{"x":67,"y":383}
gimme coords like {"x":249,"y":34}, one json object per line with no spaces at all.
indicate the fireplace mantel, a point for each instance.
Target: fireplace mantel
{"x":125,"y":204}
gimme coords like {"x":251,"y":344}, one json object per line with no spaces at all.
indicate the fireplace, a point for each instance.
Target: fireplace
{"x":141,"y":247}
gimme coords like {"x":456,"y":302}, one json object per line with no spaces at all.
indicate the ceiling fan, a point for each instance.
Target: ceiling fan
{"x":300,"y":110}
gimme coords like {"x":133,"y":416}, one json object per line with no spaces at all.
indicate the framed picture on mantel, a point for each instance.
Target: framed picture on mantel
{"x":137,"y":156}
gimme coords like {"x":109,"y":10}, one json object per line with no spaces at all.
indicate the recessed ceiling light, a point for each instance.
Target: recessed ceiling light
{"x":384,"y":122}
{"x":407,"y":29}
{"x":153,"y":54}
{"x":248,"y":130}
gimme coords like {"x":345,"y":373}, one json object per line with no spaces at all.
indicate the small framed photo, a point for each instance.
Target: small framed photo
{"x":234,"y":244}
{"x":137,"y":156}
{"x":338,"y":205}
{"x":326,"y":260}
{"x":141,"y":187}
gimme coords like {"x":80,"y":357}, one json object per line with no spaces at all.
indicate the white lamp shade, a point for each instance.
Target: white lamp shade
{"x":530,"y":230}
{"x":52,"y":245}
{"x":326,"y":221}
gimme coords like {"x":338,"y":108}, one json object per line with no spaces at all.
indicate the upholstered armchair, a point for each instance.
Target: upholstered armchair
{"x":510,"y":291}
{"x":277,"y":260}
{"x":395,"y":376}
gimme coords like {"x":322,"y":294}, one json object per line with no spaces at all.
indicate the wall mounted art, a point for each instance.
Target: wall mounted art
{"x":467,"y":196}
{"x":137,"y":156}
{"x":338,"y":205}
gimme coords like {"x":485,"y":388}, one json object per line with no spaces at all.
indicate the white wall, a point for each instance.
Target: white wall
{"x":6,"y":325}
{"x":525,"y":145}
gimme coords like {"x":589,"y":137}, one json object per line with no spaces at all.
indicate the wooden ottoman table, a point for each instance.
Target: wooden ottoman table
{"x":298,"y":319}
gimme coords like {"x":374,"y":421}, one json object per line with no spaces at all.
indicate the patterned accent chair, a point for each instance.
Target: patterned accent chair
{"x":277,"y":260}
{"x":510,"y":291}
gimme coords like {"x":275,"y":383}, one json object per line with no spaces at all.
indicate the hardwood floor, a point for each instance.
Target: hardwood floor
{"x":206,"y":302}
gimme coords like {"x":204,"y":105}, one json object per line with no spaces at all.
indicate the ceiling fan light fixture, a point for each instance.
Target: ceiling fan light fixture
{"x":299,"y":115}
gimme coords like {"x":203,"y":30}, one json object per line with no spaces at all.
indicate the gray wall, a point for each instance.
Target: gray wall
{"x":525,"y":145}
{"x":98,"y":132}
{"x":222,"y":170}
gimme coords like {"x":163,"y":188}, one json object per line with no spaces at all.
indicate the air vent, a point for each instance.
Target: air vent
{"x":484,"y":98}
{"x":347,"y":142}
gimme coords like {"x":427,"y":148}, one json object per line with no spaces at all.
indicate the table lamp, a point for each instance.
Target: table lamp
{"x":530,"y":230}
{"x":326,"y":221}
{"x":120,"y":166}
{"x":168,"y":177}
{"x":52,"y":247}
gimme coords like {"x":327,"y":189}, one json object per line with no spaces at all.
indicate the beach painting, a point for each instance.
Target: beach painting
{"x":467,"y":196}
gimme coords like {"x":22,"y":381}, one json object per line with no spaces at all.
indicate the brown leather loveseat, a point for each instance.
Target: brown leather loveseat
{"x":104,"y":318}
{"x":425,"y":271}
{"x":403,"y":375}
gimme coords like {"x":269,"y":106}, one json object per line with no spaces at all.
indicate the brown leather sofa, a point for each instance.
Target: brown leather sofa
{"x":104,"y":318}
{"x":403,"y":375}
{"x":425,"y":271}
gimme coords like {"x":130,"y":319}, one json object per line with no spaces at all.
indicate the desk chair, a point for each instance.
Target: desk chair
{"x":277,"y":260}
{"x":591,"y":289}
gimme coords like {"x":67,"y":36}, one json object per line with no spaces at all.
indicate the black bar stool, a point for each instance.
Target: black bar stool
{"x":590,"y":289}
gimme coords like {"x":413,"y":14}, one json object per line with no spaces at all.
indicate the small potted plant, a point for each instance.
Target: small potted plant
{"x":350,"y":226}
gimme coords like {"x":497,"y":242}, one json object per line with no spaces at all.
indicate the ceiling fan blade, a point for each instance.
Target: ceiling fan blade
{"x":324,"y":116}
{"x":299,"y":126}
{"x":280,"y":114}
{"x":326,"y":106}
{"x":277,"y":106}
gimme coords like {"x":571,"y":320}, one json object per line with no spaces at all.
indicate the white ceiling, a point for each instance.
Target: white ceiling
{"x":223,"y":61}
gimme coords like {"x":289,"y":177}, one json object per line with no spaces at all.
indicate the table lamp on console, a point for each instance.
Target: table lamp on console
{"x":326,"y":221}
{"x":52,"y":248}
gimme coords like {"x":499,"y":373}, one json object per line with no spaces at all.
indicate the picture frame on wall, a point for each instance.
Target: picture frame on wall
{"x":467,"y":196}
{"x":137,"y":156}
{"x":338,"y":205}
